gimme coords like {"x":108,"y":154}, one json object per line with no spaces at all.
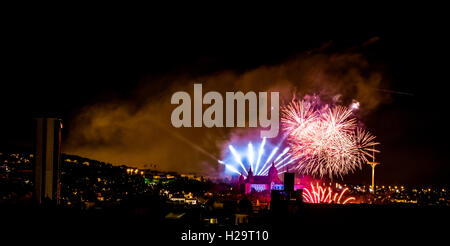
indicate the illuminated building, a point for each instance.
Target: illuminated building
{"x":261,"y":183}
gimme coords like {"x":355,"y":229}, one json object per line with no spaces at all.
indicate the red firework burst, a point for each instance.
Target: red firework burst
{"x":319,"y":194}
{"x":325,"y":139}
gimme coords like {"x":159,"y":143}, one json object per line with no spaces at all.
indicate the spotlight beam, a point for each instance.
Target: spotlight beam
{"x":274,"y":151}
{"x":260,"y":152}
{"x":237,"y":158}
{"x":250,"y":155}
{"x":283,"y":153}
{"x":277,"y":165}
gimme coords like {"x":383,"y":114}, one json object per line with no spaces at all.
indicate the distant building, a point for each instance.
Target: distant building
{"x":261,"y":183}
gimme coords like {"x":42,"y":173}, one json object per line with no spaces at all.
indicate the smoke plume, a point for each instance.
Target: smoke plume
{"x":138,"y":131}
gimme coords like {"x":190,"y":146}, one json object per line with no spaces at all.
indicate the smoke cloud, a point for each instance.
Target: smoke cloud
{"x":138,"y":131}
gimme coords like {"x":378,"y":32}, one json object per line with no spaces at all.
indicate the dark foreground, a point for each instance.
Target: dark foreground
{"x":355,"y":224}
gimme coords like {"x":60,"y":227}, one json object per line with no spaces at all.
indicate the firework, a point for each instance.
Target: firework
{"x":243,"y":159}
{"x":325,"y":139}
{"x":318,"y":194}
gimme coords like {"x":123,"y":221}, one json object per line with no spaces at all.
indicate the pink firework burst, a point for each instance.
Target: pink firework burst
{"x":318,"y":194}
{"x":324,"y":139}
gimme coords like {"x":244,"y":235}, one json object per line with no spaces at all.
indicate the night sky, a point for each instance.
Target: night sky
{"x":72,"y":67}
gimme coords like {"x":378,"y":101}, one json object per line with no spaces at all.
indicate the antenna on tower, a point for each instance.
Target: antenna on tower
{"x":373,"y":163}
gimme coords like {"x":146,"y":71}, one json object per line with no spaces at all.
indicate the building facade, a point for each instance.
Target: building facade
{"x":261,"y":183}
